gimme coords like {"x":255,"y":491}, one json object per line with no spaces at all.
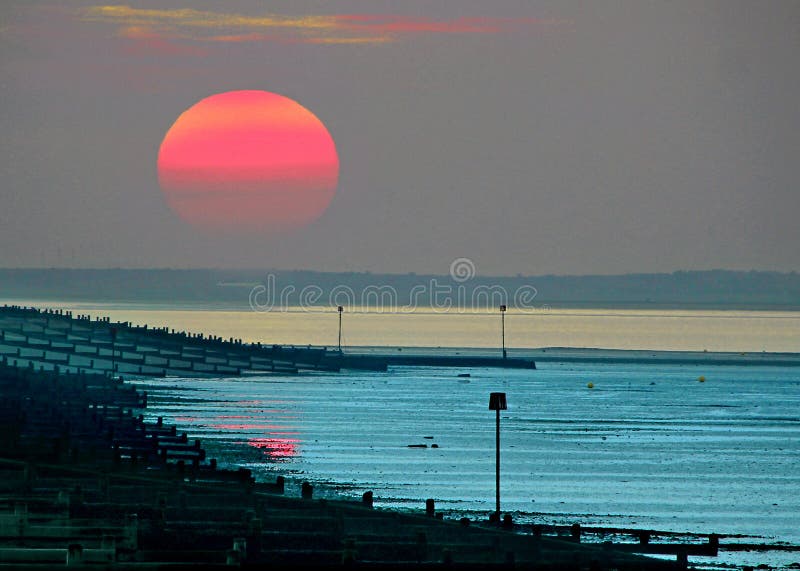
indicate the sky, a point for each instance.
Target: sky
{"x":532,"y":137}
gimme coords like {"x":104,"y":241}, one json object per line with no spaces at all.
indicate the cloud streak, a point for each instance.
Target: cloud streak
{"x":189,"y":25}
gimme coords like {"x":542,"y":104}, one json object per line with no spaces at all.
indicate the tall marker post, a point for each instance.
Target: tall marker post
{"x":497,"y":402}
{"x":503,"y":328}
{"x":340,"y":309}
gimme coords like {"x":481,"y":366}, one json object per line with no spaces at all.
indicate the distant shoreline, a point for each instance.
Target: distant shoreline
{"x":188,"y":305}
{"x":231,"y":289}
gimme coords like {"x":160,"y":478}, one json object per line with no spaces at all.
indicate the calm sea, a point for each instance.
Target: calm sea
{"x":658,"y":330}
{"x":649,"y":446}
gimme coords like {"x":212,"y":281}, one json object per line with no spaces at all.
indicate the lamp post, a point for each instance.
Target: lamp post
{"x":503,"y":328}
{"x":497,"y":402}
{"x":340,"y":309}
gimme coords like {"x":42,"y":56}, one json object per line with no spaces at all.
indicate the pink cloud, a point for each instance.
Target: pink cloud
{"x":158,"y":29}
{"x":381,"y":24}
{"x":145,"y":40}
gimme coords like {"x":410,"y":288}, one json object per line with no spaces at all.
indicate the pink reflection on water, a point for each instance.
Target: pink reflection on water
{"x":278,"y":448}
{"x":270,"y":427}
{"x":260,"y":402}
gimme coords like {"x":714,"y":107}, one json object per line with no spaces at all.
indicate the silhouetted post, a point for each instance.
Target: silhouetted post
{"x":497,"y":402}
{"x":367,"y":499}
{"x":575,"y":531}
{"x":430,"y":507}
{"x":340,"y":309}
{"x":503,"y":328}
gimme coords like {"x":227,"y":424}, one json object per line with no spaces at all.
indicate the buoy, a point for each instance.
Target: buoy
{"x":701,"y":378}
{"x":590,"y":385}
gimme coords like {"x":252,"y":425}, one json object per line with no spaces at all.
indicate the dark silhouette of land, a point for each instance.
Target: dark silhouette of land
{"x":231,"y":288}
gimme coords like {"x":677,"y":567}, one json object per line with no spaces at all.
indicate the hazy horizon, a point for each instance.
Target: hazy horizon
{"x":461,"y":288}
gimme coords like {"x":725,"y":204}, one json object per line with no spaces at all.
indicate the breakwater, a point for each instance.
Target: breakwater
{"x":379,"y":361}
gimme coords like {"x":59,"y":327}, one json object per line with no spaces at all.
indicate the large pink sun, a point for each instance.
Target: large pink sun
{"x":248,"y":160}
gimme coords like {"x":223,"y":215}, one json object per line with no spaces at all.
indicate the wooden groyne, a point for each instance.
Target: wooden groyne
{"x":84,"y":479}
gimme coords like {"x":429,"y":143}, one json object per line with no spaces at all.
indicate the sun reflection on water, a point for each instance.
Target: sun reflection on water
{"x":276,"y":448}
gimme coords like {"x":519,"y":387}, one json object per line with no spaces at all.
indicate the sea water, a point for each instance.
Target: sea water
{"x":649,"y":447}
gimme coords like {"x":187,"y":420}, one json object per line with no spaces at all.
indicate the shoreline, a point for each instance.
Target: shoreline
{"x":551,"y":307}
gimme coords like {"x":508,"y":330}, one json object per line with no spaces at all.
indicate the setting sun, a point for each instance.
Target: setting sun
{"x":248,"y":160}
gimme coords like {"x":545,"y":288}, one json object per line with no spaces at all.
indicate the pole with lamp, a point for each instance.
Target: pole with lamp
{"x":340,"y":309}
{"x":497,"y":402}
{"x":503,"y":328}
